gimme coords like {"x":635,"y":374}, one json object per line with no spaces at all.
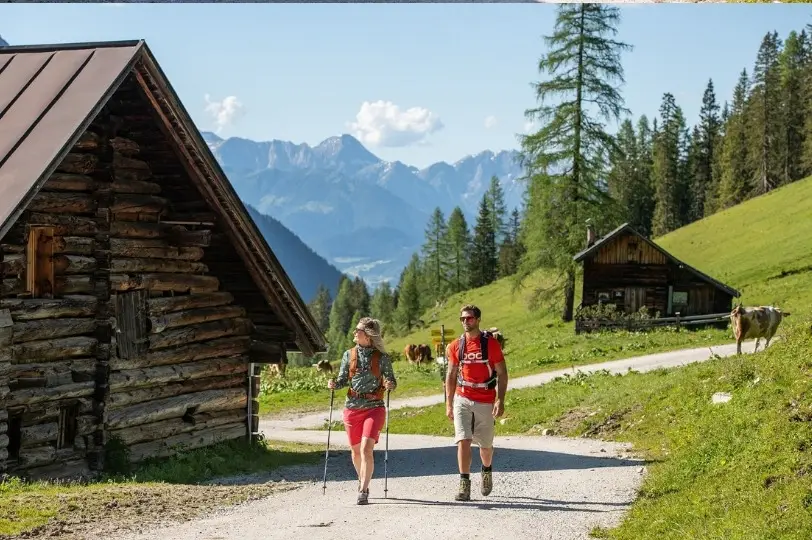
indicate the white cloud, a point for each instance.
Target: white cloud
{"x":382,"y":123}
{"x":531,"y":126}
{"x":224,"y":112}
{"x":490,"y":121}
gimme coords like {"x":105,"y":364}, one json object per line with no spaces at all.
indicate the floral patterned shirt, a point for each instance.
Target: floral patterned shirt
{"x":364,"y":381}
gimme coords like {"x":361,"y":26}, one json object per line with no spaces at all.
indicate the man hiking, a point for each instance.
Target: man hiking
{"x":475,"y":389}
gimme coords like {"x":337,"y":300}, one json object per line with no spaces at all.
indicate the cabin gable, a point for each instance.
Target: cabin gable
{"x":128,"y":310}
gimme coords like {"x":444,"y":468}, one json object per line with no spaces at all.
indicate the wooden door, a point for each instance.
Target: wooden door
{"x":635,"y":299}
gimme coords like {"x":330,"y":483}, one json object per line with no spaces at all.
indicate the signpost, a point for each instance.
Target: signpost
{"x":438,"y":337}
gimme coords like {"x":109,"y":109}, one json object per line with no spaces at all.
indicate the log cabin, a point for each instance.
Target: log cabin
{"x":628,"y":270}
{"x":136,"y":290}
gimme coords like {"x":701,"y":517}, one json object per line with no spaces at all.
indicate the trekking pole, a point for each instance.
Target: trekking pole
{"x":386,"y":453}
{"x":327,"y":451}
{"x":445,"y":360}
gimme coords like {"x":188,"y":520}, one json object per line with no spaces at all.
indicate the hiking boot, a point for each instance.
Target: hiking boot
{"x":363,"y":497}
{"x":464,"y":494}
{"x":487,"y":482}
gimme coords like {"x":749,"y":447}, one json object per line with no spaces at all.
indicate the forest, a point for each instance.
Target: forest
{"x":656,"y":172}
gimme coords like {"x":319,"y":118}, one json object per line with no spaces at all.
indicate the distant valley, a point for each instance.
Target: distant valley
{"x":364,"y":215}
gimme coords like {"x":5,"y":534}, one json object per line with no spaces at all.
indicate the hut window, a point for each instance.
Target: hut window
{"x":632,"y":252}
{"x":15,"y":438}
{"x":679,"y":299}
{"x":68,"y":425}
{"x":40,"y":262}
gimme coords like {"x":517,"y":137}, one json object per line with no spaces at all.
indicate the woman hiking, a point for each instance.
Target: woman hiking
{"x":368,"y":371}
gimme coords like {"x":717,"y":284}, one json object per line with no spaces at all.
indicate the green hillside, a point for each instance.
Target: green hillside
{"x":762,"y":247}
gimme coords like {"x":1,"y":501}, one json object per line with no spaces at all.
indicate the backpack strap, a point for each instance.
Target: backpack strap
{"x":483,"y":344}
{"x":374,"y":367}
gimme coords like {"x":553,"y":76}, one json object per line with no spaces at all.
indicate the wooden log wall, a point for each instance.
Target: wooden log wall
{"x":54,"y":297}
{"x":142,"y":325}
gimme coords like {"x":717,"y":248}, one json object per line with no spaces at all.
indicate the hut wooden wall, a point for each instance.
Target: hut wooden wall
{"x":628,"y":267}
{"x":144,"y":329}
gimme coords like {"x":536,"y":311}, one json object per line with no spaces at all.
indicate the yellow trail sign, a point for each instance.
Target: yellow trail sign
{"x":449,"y":333}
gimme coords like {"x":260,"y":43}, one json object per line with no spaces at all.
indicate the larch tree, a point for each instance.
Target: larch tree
{"x":566,"y":159}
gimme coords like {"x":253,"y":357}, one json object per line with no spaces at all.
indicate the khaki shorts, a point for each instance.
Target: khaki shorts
{"x":473,"y":420}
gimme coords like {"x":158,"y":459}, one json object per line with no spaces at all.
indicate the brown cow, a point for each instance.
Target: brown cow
{"x":411,"y":353}
{"x":755,"y":322}
{"x":423,"y":354}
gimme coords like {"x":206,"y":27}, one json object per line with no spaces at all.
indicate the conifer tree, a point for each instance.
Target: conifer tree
{"x":498,"y":209}
{"x":382,"y":305}
{"x":667,"y":174}
{"x":764,"y":118}
{"x":408,"y":306}
{"x":706,"y":142}
{"x":735,"y":177}
{"x":566,"y":160}
{"x":435,"y":253}
{"x":459,"y":247}
{"x":483,"y":261}
{"x":320,"y":307}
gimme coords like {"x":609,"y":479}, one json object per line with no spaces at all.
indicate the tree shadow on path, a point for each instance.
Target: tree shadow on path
{"x":442,"y":461}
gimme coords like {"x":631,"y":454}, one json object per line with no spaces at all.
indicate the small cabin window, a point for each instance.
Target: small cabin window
{"x":15,"y":436}
{"x":603,"y":296}
{"x":68,"y":425}
{"x":679,"y":298}
{"x":40,"y":262}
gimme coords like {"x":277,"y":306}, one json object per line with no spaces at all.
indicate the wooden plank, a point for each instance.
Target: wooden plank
{"x":131,"y":324}
{"x":40,"y":271}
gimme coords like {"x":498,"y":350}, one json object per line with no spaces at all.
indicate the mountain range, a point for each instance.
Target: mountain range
{"x":364,"y":215}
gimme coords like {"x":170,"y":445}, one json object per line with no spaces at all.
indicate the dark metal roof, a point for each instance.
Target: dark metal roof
{"x":580,"y":256}
{"x":49,"y":94}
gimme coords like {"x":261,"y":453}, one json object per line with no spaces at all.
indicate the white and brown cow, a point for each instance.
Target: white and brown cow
{"x":755,"y":322}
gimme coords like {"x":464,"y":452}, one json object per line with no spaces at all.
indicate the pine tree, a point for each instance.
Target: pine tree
{"x":498,"y":209}
{"x":340,"y":318}
{"x":408,"y":306}
{"x":706,"y":142}
{"x":734,"y":179}
{"x":667,"y":173}
{"x":382,"y":305}
{"x":793,"y":113}
{"x":806,"y":158}
{"x":644,"y":200}
{"x":629,"y":180}
{"x":320,"y":308}
{"x":458,"y":241}
{"x":483,"y":262}
{"x":566,"y":160}
{"x":435,"y":252}
{"x":764,"y":118}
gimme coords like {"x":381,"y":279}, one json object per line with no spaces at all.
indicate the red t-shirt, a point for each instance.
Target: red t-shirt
{"x":475,"y":372}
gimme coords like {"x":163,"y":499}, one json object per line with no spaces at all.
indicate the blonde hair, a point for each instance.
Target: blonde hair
{"x":372,"y":328}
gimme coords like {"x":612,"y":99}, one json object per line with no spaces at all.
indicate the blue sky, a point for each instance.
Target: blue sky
{"x":430,"y":74}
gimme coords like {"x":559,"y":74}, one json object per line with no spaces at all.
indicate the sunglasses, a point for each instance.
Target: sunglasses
{"x":469,"y":319}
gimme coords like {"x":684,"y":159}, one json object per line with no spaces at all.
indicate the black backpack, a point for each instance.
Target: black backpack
{"x":483,"y":344}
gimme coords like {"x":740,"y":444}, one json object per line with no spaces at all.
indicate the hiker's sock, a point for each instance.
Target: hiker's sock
{"x":486,"y":469}
{"x":465,"y":475}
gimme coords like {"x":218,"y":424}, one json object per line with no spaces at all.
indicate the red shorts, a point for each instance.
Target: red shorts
{"x":364,"y":423}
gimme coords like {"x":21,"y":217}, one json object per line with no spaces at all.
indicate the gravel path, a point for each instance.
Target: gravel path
{"x":544,"y":487}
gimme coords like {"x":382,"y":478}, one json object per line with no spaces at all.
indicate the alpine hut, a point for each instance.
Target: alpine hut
{"x":136,"y":289}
